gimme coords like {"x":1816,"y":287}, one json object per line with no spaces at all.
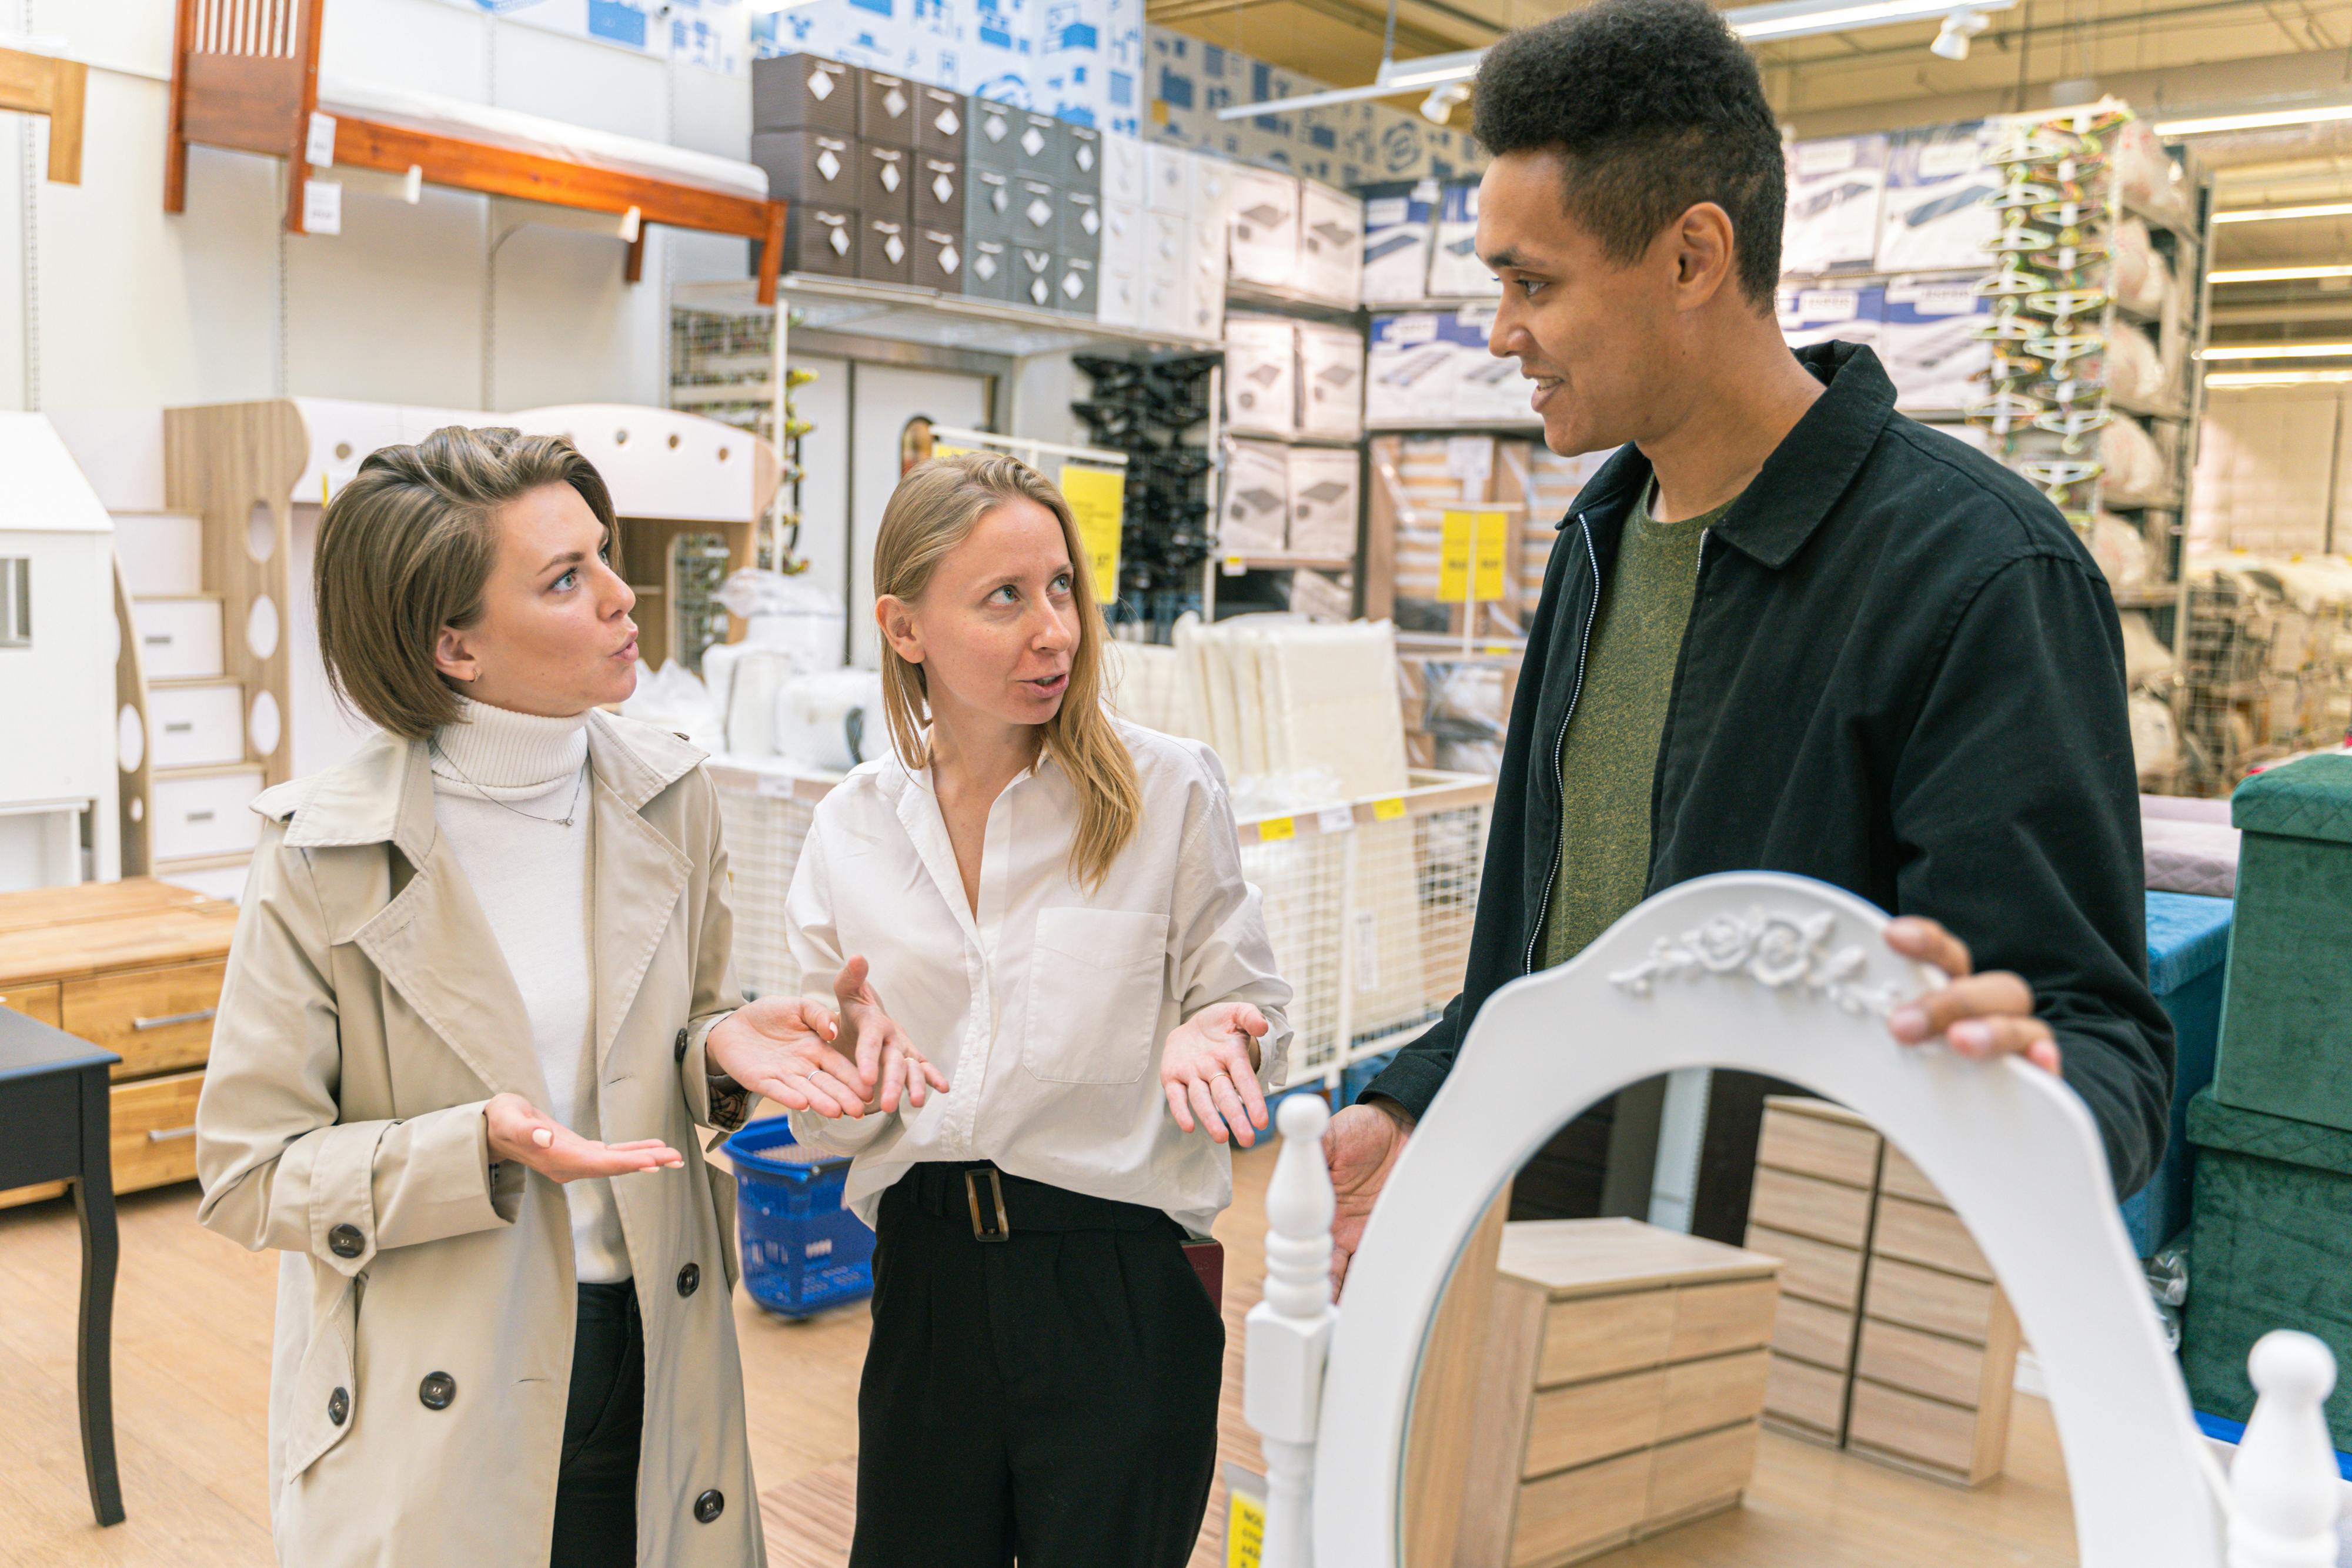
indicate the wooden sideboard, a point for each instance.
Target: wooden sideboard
{"x":132,"y":967}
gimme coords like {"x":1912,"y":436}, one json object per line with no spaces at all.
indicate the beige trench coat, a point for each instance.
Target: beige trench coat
{"x":366,"y":1017}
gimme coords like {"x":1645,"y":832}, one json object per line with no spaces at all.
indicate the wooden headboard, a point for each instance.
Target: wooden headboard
{"x":245,"y":74}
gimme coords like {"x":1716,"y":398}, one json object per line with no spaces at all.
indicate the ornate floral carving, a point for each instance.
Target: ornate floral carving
{"x":1772,"y":947}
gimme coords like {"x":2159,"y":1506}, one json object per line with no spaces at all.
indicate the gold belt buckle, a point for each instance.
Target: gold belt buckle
{"x":996,"y":1191}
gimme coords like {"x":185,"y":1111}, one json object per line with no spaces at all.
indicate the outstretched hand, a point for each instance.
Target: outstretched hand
{"x":1209,"y":1073}
{"x":884,"y":1055}
{"x":782,"y":1048}
{"x":522,"y":1132}
{"x":1978,"y":1015}
{"x":1361,"y":1147}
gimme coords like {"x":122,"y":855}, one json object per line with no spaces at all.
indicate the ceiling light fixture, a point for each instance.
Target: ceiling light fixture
{"x":2261,"y":119}
{"x":2276,"y":273}
{"x":2277,"y":351}
{"x":2280,"y":215}
{"x":1438,"y":107}
{"x":1952,"y":40}
{"x":2225,"y":378}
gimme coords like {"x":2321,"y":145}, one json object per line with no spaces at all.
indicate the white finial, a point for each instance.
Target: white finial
{"x":2284,"y":1489}
{"x":1289,"y":1332}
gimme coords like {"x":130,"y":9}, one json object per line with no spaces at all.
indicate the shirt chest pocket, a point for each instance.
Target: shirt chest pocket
{"x":1094,"y":987}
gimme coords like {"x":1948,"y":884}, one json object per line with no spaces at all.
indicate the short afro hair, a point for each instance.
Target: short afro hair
{"x":1656,"y":105}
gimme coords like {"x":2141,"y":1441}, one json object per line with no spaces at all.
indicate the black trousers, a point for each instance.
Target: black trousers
{"x":596,"y":1487}
{"x":1050,"y":1398}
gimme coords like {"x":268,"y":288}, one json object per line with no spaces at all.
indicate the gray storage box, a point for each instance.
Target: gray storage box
{"x":1082,"y":223}
{"x":1034,"y":277}
{"x":939,"y":192}
{"x":987,"y":204}
{"x":886,"y":181}
{"x":1036,"y":213}
{"x":1075,"y":289}
{"x":804,"y":92}
{"x":939,"y":260}
{"x":988,"y":269}
{"x":885,"y":252}
{"x":1038,"y":144}
{"x":819,"y":239}
{"x":1081,"y":163}
{"x":991,"y":140}
{"x":885,"y":110}
{"x":943,"y":119}
{"x":808,"y":166}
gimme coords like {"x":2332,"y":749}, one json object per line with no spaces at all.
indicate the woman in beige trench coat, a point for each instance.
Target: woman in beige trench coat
{"x":373,"y":1107}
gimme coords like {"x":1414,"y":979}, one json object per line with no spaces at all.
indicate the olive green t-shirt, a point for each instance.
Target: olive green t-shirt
{"x":1611,"y":751}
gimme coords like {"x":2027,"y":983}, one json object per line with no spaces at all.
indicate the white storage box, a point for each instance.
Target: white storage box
{"x":1934,"y":217}
{"x":161,"y":553}
{"x":1124,"y":177}
{"x":1167,"y":275}
{"x":1331,"y":245}
{"x":200,"y":814}
{"x":1255,"y":516}
{"x":1205,"y":284}
{"x":1834,"y":189}
{"x":1927,"y":339}
{"x":1261,"y":376}
{"x":1454,"y":270}
{"x":1331,"y":382}
{"x":1168,"y":179}
{"x":1809,"y":316}
{"x":1265,"y":229}
{"x":179,"y":639}
{"x":1399,"y":222}
{"x":1324,"y":493}
{"x":196,"y":727}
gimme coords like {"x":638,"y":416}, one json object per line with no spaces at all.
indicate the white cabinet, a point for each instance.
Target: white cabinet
{"x":162,"y":553}
{"x":196,"y":727}
{"x":201,"y":814}
{"x":179,"y":639}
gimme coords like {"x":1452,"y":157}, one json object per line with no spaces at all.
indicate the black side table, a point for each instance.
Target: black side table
{"x":52,"y":1126}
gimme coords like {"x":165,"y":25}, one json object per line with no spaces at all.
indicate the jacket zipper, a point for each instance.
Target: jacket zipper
{"x":1559,"y":744}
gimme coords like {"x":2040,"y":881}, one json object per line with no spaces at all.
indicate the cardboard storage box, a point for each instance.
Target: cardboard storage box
{"x":988,"y":269}
{"x":809,"y":166}
{"x":1330,"y":380}
{"x":1120,"y":301}
{"x":2271,"y":1248}
{"x":1331,"y":245}
{"x":941,"y":121}
{"x":1399,"y":222}
{"x":1835,"y":185}
{"x":1038,"y":144}
{"x":884,"y":250}
{"x":820,"y":239}
{"x":987,"y":204}
{"x":1082,"y":223}
{"x":989,"y":140}
{"x":886,"y":181}
{"x":1036,"y":213}
{"x":1074,"y":285}
{"x":1034,"y":276}
{"x":1080,"y":165}
{"x":1264,"y":228}
{"x":1324,"y":492}
{"x":1928,"y":340}
{"x":1454,"y":270}
{"x":938,"y":260}
{"x":2286,"y":1014}
{"x":1255,"y":515}
{"x":795,"y":92}
{"x":1261,"y":376}
{"x":1831,"y":314}
{"x":939,"y":192}
{"x":1933,"y":217}
{"x":885,"y":109}
{"x":1168,"y":179}
{"x":1124,"y":177}
{"x":2188,"y":944}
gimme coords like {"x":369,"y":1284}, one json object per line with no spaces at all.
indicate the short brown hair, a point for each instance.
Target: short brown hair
{"x":405,"y":549}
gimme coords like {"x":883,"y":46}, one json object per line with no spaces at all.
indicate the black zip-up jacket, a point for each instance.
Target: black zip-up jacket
{"x":1903,"y":674}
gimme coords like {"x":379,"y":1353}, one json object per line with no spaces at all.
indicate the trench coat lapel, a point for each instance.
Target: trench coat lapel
{"x":636,"y":873}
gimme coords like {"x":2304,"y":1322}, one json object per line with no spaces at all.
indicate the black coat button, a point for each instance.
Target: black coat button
{"x":689,"y":1278}
{"x":438,"y":1390}
{"x":345,"y":1242}
{"x":710,"y":1505}
{"x":338,"y":1406}
{"x":681,"y":1045}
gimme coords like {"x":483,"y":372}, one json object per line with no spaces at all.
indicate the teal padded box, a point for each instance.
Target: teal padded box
{"x":2188,"y":940}
{"x":2286,"y":1011}
{"x":2271,"y":1248}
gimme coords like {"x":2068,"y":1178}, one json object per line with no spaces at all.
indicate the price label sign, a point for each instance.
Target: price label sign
{"x":1472,"y":546}
{"x":1244,"y":1518}
{"x":1097,"y":498}
{"x":1277,"y":830}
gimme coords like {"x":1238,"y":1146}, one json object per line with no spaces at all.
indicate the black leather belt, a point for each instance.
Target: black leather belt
{"x":997,"y":1204}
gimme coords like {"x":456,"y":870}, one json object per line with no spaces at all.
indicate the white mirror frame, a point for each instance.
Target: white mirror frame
{"x":1787,"y":976}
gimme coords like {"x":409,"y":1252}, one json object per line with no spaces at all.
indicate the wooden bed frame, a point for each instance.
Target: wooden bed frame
{"x":46,"y":85}
{"x":245,"y":76}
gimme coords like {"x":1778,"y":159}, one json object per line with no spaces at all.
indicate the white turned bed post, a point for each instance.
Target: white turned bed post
{"x":2284,"y":1485}
{"x":1289,"y":1333}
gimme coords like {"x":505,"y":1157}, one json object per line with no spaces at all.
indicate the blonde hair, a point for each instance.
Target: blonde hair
{"x":406,"y":548}
{"x":934,"y":510}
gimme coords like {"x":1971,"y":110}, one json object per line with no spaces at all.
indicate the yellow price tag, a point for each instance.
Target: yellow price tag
{"x":1388,"y":810}
{"x":1465,"y":536}
{"x":1276,"y":829}
{"x":942,"y":449}
{"x":1244,"y":1530}
{"x":1097,"y":498}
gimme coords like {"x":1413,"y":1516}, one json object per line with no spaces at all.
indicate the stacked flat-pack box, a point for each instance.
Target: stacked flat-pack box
{"x":1835,"y":186}
{"x":1454,"y":270}
{"x":990,"y":140}
{"x":885,"y":110}
{"x":1204,"y":288}
{"x":1167,"y":279}
{"x":1254,"y":517}
{"x":1399,"y":223}
{"x":1075,"y":284}
{"x":1809,"y":316}
{"x":1263,"y":233}
{"x":1485,"y":388}
{"x":987,"y":204}
{"x":1037,"y":144}
{"x":939,"y":192}
{"x":1168,"y":179}
{"x":1324,"y":487}
{"x":1036,"y":213}
{"x":1331,"y":245}
{"x":821,"y":239}
{"x":796,"y":92}
{"x":1411,"y":364}
{"x":1034,"y":276}
{"x":1082,"y":224}
{"x":886,"y":250}
{"x":1125,"y":178}
{"x":939,"y":260}
{"x":886,"y":181}
{"x":1079,"y":158}
{"x":809,"y":165}
{"x":1933,"y":216}
{"x":988,"y":269}
{"x":1330,"y":380}
{"x":1119,"y":292}
{"x":941,"y":121}
{"x":1928,"y":340}
{"x":1261,"y":375}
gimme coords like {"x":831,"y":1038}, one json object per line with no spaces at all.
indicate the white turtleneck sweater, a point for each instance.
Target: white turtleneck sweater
{"x":501,"y":783}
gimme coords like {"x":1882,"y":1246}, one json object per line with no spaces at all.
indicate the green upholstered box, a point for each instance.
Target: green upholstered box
{"x":2286,"y":1010}
{"x":2271,"y":1248}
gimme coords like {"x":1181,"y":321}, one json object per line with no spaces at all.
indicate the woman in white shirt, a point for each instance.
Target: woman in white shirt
{"x":1083,"y":1009}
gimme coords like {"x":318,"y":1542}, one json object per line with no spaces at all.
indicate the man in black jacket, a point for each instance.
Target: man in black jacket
{"x":1783,"y":628}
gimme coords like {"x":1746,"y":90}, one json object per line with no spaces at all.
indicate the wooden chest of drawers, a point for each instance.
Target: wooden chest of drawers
{"x":1891,"y":1338}
{"x":1624,"y":1371}
{"x":132,"y":967}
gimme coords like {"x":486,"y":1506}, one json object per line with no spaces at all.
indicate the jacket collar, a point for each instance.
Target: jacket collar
{"x":1798,"y":484}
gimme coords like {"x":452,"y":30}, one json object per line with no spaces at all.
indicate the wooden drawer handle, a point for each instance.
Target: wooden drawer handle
{"x":167,"y":1135}
{"x":168,"y":1019}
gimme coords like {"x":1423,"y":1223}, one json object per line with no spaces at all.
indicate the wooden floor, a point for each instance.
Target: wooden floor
{"x":192,"y":1374}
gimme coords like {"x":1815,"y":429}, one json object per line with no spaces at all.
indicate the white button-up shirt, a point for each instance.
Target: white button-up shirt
{"x":1046,"y":1009}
